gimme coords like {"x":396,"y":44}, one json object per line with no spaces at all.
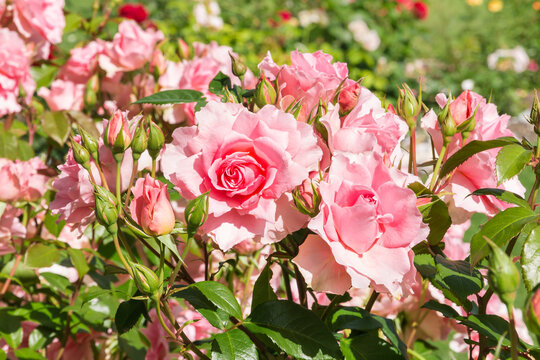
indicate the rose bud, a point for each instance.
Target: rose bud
{"x":447,"y":123}
{"x":408,"y":107}
{"x":265,"y":92}
{"x":532,"y":315}
{"x":503,"y":274}
{"x":106,"y":209}
{"x":80,"y":154}
{"x":464,"y":106}
{"x":348,"y":97}
{"x":156,"y":140}
{"x":90,"y":143}
{"x":145,"y":279}
{"x":135,"y":12}
{"x":117,"y":135}
{"x":307,"y":198}
{"x":139,"y":142}
{"x":151,"y":207}
{"x":183,"y":49}
{"x":196,"y":213}
{"x":238,"y":67}
{"x":534,"y":117}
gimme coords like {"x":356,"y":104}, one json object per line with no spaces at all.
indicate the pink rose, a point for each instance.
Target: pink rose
{"x":131,"y":48}
{"x":479,"y":171}
{"x":74,"y":199}
{"x":348,"y":96}
{"x":310,"y":78}
{"x":464,"y":105}
{"x":80,"y":348}
{"x":15,"y":65}
{"x":118,"y":127}
{"x":151,"y":206}
{"x":40,"y":21}
{"x":367,"y":226}
{"x":367,"y":127}
{"x":22,"y":180}
{"x":64,"y":95}
{"x":10,"y":227}
{"x":82,"y":63}
{"x":249,"y":163}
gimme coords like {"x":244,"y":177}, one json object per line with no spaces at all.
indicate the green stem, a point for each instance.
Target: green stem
{"x":118,"y":158}
{"x":537,"y":150}
{"x":437,"y":169}
{"x":415,"y":354}
{"x":412,"y":152}
{"x":371,"y":301}
{"x":513,"y":334}
{"x":153,"y":168}
{"x":534,"y":191}
{"x":161,"y":321}
{"x":121,"y":255}
{"x":102,"y":177}
{"x":131,"y":180}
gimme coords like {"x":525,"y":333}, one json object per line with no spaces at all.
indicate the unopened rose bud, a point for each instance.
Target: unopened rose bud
{"x":139,"y":143}
{"x":106,"y":208}
{"x":503,"y":274}
{"x":156,"y":140}
{"x":151,"y":207}
{"x":183,"y":49}
{"x":348,"y":98}
{"x":466,"y":127}
{"x":238,"y":66}
{"x":92,"y":88}
{"x":534,"y":117}
{"x":196,"y":213}
{"x":532,"y":311}
{"x":80,"y":154}
{"x":446,"y":123}
{"x":117,"y":134}
{"x":90,"y":143}
{"x":265,"y":92}
{"x":307,"y":198}
{"x":408,"y":107}
{"x":145,"y":279}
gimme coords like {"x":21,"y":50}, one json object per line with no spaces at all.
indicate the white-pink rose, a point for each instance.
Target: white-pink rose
{"x":82,"y":63}
{"x":64,"y":95}
{"x":249,"y":162}
{"x":22,"y":180}
{"x":15,"y":65}
{"x":310,"y":78}
{"x":367,"y":226}
{"x":131,"y":48}
{"x":40,"y":21}
{"x":10,"y":226}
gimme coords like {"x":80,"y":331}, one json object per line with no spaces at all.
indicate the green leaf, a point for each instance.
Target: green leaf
{"x":262,"y":291}
{"x":128,"y":314}
{"x":40,"y":255}
{"x":10,"y":328}
{"x":37,"y":339}
{"x":510,"y":161}
{"x":218,"y":83}
{"x":172,"y":97}
{"x":84,"y":121}
{"x":530,"y":259}
{"x":79,"y":261}
{"x":356,"y":318}
{"x":492,"y":326}
{"x":500,"y":229}
{"x":56,"y":125}
{"x":43,"y":75}
{"x":216,"y":317}
{"x":168,"y":241}
{"x":13,"y":148}
{"x":28,"y":354}
{"x":53,"y":225}
{"x":233,"y":344}
{"x":367,"y":347}
{"x":474,"y":147}
{"x":504,"y":195}
{"x":435,"y":213}
{"x":133,"y":344}
{"x":293,"y":329}
{"x":56,"y":281}
{"x":444,"y":309}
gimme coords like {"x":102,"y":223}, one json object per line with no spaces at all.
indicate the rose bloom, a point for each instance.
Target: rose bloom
{"x":249,"y":162}
{"x":310,"y":78}
{"x":367,"y":226}
{"x":40,"y":21}
{"x":64,"y":95}
{"x":10,"y":227}
{"x":82,"y":63}
{"x":131,"y":48}
{"x":479,"y":170}
{"x":151,"y":206}
{"x":21,"y":179}
{"x":135,"y":12}
{"x":15,"y":65}
{"x":367,"y":127}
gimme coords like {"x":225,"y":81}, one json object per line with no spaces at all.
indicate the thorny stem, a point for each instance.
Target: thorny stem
{"x":133,"y":174}
{"x":371,"y":301}
{"x":412,"y":153}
